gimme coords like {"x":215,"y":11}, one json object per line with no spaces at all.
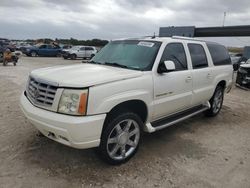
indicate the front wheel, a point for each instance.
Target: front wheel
{"x":216,"y":102}
{"x":33,"y":54}
{"x":73,"y":56}
{"x":120,"y":138}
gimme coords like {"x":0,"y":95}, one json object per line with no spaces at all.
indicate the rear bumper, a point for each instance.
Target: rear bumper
{"x":73,"y":131}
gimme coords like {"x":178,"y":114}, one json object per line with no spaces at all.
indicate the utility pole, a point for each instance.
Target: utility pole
{"x":224,"y":19}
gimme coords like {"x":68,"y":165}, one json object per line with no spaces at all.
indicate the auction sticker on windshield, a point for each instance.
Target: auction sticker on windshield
{"x":147,"y":44}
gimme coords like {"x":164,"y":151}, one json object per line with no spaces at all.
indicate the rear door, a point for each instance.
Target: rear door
{"x":201,"y":74}
{"x":88,"y":51}
{"x":81,"y":52}
{"x":173,"y":90}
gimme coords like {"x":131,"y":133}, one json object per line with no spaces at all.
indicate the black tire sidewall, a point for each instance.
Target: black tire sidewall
{"x":108,"y":127}
{"x":73,"y":56}
{"x":33,"y":54}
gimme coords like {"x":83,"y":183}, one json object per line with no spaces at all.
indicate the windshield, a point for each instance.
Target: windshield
{"x":75,"y":47}
{"x":246,"y":52}
{"x":131,"y":54}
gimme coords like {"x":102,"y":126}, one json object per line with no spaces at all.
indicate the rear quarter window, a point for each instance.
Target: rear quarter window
{"x":219,"y":54}
{"x":198,"y":56}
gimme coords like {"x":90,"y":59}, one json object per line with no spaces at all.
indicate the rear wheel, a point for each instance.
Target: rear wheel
{"x":120,"y":139}
{"x":216,"y":102}
{"x":92,"y":55}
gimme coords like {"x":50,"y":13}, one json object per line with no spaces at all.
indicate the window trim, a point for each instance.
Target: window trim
{"x":203,"y":67}
{"x":170,"y":43}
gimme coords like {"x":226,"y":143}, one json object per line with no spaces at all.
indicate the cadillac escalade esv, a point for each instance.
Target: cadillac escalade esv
{"x":130,"y":86}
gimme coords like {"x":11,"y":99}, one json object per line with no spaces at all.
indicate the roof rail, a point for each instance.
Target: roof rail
{"x":187,"y":38}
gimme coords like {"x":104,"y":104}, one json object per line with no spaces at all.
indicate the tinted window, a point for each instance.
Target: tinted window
{"x":219,"y":54}
{"x":175,"y":52}
{"x":198,"y":56}
{"x":88,"y":48}
{"x":82,"y":48}
{"x":246,"y":52}
{"x":43,"y":46}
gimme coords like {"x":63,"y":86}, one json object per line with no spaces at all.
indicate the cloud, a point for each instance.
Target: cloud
{"x":109,"y":19}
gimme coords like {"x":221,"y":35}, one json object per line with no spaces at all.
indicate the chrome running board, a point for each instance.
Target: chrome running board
{"x":181,"y":116}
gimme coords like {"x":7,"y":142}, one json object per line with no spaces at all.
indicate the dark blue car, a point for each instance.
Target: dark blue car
{"x":44,"y":50}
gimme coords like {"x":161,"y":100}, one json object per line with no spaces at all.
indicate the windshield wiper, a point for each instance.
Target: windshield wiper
{"x":116,"y":65}
{"x":119,"y":65}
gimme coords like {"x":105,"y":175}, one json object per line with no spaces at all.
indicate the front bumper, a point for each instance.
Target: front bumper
{"x":78,"y":132}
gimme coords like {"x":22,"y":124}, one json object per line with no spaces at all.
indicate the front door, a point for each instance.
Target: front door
{"x":173,"y":90}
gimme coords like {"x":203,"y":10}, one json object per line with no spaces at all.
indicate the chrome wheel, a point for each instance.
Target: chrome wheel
{"x":123,"y":139}
{"x":217,"y":102}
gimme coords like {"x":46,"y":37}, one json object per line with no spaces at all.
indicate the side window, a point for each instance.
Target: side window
{"x":198,"y":56}
{"x":89,"y":48}
{"x":43,"y":46}
{"x":82,"y":48}
{"x":219,"y":54}
{"x":175,"y":52}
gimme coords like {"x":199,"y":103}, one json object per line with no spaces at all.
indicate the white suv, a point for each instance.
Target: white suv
{"x":79,"y":52}
{"x":130,"y":86}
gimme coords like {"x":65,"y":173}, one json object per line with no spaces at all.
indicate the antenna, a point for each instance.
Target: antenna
{"x":224,"y":19}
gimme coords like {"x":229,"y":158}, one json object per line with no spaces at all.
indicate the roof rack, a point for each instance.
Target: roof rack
{"x":187,"y":38}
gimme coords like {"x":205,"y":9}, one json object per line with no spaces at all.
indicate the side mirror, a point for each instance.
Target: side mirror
{"x":166,"y":66}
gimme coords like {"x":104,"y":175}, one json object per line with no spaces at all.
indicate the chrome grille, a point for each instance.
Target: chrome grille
{"x":41,"y":92}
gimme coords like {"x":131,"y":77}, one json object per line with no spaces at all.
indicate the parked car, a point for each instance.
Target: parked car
{"x":243,"y":75}
{"x":130,"y":86}
{"x":235,"y":58}
{"x":1,"y":53}
{"x":79,"y":52}
{"x":43,"y":50}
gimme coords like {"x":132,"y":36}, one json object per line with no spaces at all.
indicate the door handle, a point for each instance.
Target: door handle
{"x":188,"y":79}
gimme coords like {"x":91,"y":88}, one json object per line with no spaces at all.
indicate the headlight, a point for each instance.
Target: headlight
{"x":73,"y":102}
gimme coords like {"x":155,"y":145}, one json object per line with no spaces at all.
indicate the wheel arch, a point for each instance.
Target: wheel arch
{"x":222,"y":83}
{"x":136,"y":106}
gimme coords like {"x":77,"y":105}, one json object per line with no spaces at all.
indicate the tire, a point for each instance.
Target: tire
{"x":73,"y":56}
{"x":4,"y":63}
{"x":65,"y":57}
{"x":120,"y":138}
{"x":14,"y":63}
{"x":216,"y":102}
{"x":59,"y":54}
{"x":33,"y":54}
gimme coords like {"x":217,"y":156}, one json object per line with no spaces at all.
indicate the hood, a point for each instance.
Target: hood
{"x":84,"y":75}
